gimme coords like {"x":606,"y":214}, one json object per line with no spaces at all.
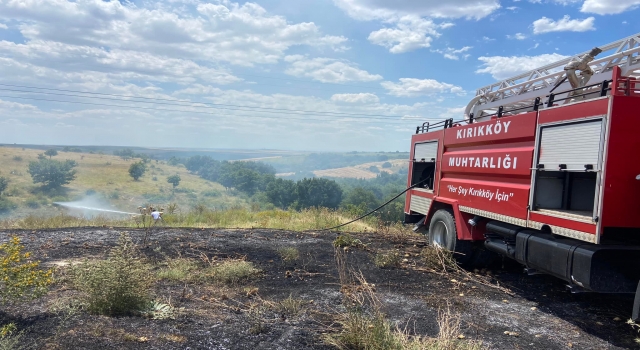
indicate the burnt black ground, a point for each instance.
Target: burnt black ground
{"x":542,"y":312}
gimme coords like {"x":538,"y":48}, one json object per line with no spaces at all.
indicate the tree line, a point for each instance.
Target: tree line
{"x":253,"y":178}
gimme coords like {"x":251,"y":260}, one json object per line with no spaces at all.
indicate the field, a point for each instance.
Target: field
{"x":295,"y":290}
{"x":108,"y":177}
{"x":363,"y":171}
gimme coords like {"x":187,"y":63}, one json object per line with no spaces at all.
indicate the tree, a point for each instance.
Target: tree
{"x":174,"y":180}
{"x":386,"y":165}
{"x":52,"y":173}
{"x":374,"y":169}
{"x":136,"y":170}
{"x":51,"y":153}
{"x":4,"y":182}
{"x":282,"y":193}
{"x":318,"y":193}
{"x":361,"y":198}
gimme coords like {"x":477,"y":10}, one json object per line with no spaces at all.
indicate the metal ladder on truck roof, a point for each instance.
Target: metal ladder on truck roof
{"x":520,"y":92}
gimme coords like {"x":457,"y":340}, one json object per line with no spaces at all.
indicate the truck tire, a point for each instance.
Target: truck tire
{"x":443,"y":234}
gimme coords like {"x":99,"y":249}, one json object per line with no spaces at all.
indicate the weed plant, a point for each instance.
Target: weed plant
{"x":119,"y":285}
{"x":391,"y":259}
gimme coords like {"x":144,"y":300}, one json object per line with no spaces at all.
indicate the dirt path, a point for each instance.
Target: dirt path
{"x":541,"y":314}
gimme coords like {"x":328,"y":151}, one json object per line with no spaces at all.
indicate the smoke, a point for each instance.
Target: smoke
{"x":92,"y":206}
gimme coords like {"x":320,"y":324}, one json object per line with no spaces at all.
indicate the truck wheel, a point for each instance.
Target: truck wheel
{"x":443,"y":234}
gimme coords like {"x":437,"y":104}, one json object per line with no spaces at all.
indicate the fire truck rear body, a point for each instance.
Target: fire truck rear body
{"x":554,"y":185}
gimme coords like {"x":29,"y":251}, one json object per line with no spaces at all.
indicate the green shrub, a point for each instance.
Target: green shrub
{"x":6,"y":205}
{"x":211,"y":193}
{"x":90,"y":192}
{"x":119,"y":285}
{"x":114,"y":195}
{"x":32,"y":203}
{"x":17,"y":158}
{"x":346,"y":240}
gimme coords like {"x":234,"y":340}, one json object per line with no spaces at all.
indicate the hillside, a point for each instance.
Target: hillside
{"x":107,"y":176}
{"x":364,"y":171}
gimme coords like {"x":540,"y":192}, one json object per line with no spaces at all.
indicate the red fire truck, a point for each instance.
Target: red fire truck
{"x":544,"y":169}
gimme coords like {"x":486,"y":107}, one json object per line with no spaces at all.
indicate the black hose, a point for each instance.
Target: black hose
{"x":374,"y":210}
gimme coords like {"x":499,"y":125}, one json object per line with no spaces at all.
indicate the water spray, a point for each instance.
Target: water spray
{"x":91,"y":206}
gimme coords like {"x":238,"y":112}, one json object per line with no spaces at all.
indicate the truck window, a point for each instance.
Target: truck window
{"x":423,"y":171}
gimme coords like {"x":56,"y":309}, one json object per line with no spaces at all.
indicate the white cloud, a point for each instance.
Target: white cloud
{"x":227,"y":32}
{"x":501,"y":67}
{"x":454,"y":54}
{"x":3,"y":26}
{"x":410,"y":33}
{"x":115,"y":65}
{"x":609,"y":7}
{"x":487,"y":39}
{"x":411,"y":87}
{"x":512,"y":8}
{"x":517,"y":36}
{"x":566,"y":24}
{"x":327,"y":70}
{"x":384,"y":10}
{"x":355,"y":98}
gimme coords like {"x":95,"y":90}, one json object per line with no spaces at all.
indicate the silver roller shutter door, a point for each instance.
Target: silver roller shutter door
{"x":426,"y":151}
{"x":575,"y":145}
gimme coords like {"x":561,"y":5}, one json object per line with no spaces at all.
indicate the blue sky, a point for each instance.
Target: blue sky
{"x":326,"y":75}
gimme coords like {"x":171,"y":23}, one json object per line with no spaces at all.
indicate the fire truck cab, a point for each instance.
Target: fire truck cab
{"x":546,"y":173}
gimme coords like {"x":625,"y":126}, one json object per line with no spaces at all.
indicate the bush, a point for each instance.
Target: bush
{"x":211,"y":193}
{"x":386,"y":165}
{"x":137,"y":170}
{"x":289,"y":254}
{"x":6,"y":205}
{"x":391,"y":259}
{"x":32,"y":203}
{"x":90,"y":192}
{"x":155,"y":178}
{"x":234,"y":271}
{"x":119,"y":285}
{"x":4,"y":182}
{"x":346,"y":240}
{"x":21,"y":277}
{"x":17,"y":158}
{"x":374,"y":169}
{"x":174,"y":180}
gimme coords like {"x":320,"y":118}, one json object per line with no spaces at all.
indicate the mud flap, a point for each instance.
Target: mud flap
{"x":635,"y":315}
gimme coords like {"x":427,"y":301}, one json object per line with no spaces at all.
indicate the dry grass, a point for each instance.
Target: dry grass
{"x":290,"y":306}
{"x":311,"y":219}
{"x":233,"y":271}
{"x":364,"y":325}
{"x":179,"y":269}
{"x":438,"y":259}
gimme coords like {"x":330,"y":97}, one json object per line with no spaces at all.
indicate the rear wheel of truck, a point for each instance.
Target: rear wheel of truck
{"x":443,"y":234}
